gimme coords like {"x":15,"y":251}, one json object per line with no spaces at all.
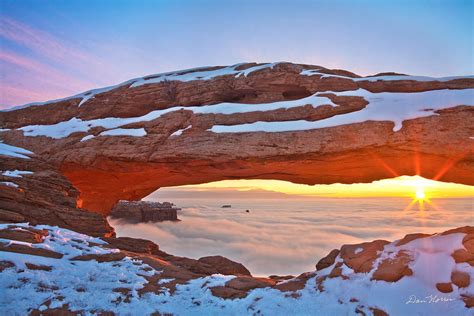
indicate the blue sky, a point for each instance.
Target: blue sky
{"x":51,"y":49}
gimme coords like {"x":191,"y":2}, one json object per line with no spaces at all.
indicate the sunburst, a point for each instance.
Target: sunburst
{"x":420,"y":193}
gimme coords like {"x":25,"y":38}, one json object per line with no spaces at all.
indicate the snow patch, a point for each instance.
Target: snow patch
{"x":385,"y":106}
{"x":180,"y":131}
{"x":312,"y":72}
{"x":137,"y":132}
{"x":13,"y":151}
{"x":86,"y":138}
{"x":9,"y":184}
{"x":64,"y":129}
{"x":16,"y":173}
{"x":182,"y":75}
{"x":247,"y":71}
{"x":197,"y":74}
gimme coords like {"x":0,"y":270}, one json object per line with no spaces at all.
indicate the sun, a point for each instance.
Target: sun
{"x":420,"y":194}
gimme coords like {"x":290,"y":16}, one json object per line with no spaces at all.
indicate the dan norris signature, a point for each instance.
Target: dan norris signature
{"x":430,"y":299}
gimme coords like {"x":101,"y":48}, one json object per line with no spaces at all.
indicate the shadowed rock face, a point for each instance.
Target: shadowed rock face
{"x":179,"y":147}
{"x":44,"y":196}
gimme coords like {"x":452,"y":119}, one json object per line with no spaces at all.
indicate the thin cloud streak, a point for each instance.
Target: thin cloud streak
{"x":49,"y":68}
{"x":42,"y":42}
{"x":9,"y":94}
{"x":47,"y":73}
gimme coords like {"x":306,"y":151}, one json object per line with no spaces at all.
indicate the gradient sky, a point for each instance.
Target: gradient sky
{"x":52,"y":49}
{"x":403,"y":186}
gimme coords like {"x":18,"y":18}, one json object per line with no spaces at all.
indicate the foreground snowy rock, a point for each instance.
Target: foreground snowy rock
{"x":51,"y":269}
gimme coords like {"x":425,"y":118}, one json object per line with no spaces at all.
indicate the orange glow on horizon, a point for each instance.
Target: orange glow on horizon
{"x":414,"y":187}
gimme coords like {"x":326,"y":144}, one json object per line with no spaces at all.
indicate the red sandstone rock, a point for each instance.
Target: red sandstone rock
{"x":47,"y":197}
{"x":6,"y":265}
{"x":248,"y":283}
{"x":468,"y":300}
{"x":378,"y":312}
{"x":392,"y":270}
{"x":28,"y":235}
{"x":466,"y":254}
{"x":293,"y":284}
{"x":225,"y":266}
{"x":361,"y":261}
{"x":133,"y":244}
{"x":18,"y":248}
{"x":460,"y":279}
{"x":32,"y":266}
{"x":336,"y":272}
{"x":10,"y":217}
{"x":444,"y":287}
{"x":227,"y":292}
{"x":328,"y":260}
{"x":411,"y":237}
{"x":101,"y":257}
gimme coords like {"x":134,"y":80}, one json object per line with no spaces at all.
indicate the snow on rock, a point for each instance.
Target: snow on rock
{"x":88,"y":286}
{"x":86,"y":138}
{"x":85,"y":285}
{"x":180,"y":131}
{"x":15,"y":173}
{"x":13,"y":151}
{"x":412,"y":78}
{"x":84,"y":96}
{"x":384,"y":106}
{"x":66,"y":128}
{"x":137,"y":132}
{"x":183,"y":75}
{"x":431,"y":263}
{"x":247,"y":71}
{"x":9,"y":184}
{"x":312,"y":72}
{"x":207,"y":73}
{"x":201,"y":73}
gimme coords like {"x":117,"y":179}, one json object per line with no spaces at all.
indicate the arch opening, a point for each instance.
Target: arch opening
{"x":279,"y":227}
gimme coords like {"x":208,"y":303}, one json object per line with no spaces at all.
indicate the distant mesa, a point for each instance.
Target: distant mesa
{"x":226,"y":206}
{"x":145,"y":211}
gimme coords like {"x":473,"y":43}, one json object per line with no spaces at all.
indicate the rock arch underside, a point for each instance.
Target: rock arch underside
{"x":67,"y":162}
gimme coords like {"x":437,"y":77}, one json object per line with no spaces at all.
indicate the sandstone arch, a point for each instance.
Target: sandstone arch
{"x":168,"y":138}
